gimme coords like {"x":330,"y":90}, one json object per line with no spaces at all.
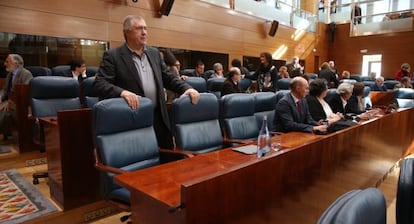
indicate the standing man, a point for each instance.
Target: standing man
{"x":356,"y":14}
{"x":135,"y":69}
{"x":292,"y":111}
{"x":16,"y":74}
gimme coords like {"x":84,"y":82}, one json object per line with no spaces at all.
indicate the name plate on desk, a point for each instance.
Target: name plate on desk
{"x":248,"y":149}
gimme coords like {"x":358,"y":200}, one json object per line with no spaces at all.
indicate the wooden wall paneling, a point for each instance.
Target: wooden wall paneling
{"x":395,"y":48}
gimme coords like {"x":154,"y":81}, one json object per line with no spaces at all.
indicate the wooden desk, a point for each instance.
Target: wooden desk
{"x":73,"y":179}
{"x":294,"y":185}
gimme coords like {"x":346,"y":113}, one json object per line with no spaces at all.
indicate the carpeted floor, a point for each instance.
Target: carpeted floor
{"x":19,"y":200}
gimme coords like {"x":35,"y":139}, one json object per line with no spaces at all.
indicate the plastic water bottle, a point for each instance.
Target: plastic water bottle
{"x":263,"y":140}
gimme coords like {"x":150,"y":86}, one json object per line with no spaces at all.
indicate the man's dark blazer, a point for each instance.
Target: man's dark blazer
{"x":315,"y":108}
{"x":117,"y":73}
{"x":330,"y":76}
{"x":229,"y":87}
{"x":287,"y":118}
{"x":336,"y":104}
{"x":378,"y":88}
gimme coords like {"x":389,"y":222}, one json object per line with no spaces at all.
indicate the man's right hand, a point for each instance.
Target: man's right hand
{"x":131,"y":98}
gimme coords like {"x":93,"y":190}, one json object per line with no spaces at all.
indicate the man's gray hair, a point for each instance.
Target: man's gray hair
{"x":127,"y":22}
{"x":17,"y":59}
{"x":344,"y":88}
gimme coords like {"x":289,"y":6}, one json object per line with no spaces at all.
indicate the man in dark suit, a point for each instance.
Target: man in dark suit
{"x":77,"y":70}
{"x":135,"y":69}
{"x":232,"y":83}
{"x":292,"y":112}
{"x":17,"y":74}
{"x":340,"y":99}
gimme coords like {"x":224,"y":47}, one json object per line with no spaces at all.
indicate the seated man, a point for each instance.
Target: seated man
{"x":379,"y":85}
{"x":77,"y":70}
{"x":17,"y":74}
{"x":292,"y":112}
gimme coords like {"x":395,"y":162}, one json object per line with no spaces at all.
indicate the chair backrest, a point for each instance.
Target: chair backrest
{"x":237,"y":116}
{"x":124,"y":139}
{"x":214,"y":85}
{"x":196,"y":127}
{"x":50,"y":94}
{"x":367,"y":78}
{"x":283,"y":84}
{"x":187,"y":71}
{"x":356,"y":77}
{"x":405,"y":97}
{"x":405,"y":193}
{"x":88,"y":93}
{"x":312,"y":75}
{"x":59,"y":69}
{"x":91,"y":71}
{"x":369,"y":83}
{"x":197,"y":83}
{"x":331,"y":92}
{"x":39,"y":70}
{"x":264,"y":105}
{"x":357,"y":207}
{"x":390,"y":84}
{"x":245,"y":84}
{"x":280,"y":94}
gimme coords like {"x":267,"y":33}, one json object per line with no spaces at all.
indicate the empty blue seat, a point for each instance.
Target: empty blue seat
{"x":39,"y":70}
{"x":405,"y":97}
{"x":283,"y":84}
{"x":264,"y":105}
{"x":405,"y":193}
{"x":197,"y":83}
{"x":60,"y":69}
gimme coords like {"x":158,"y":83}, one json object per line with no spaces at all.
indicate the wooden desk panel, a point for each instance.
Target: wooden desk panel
{"x":294,"y":185}
{"x":73,"y":179}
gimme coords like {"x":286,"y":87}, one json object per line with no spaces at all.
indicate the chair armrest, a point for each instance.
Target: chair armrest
{"x":102,"y":167}
{"x":168,"y":155}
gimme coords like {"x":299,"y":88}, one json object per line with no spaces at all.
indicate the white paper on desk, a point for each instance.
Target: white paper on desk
{"x":247,"y":149}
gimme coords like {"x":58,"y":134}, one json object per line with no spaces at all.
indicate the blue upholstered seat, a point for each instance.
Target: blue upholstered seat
{"x":264,"y":105}
{"x":405,"y":193}
{"x":88,"y":93}
{"x":116,"y":131}
{"x":356,"y":77}
{"x":237,"y":116}
{"x":59,"y":69}
{"x":357,"y":207}
{"x":39,"y":70}
{"x":405,"y":97}
{"x":245,"y":84}
{"x":390,"y":84}
{"x":214,"y":85}
{"x":331,"y":92}
{"x":197,"y":83}
{"x":91,"y":71}
{"x":50,"y":94}
{"x":280,"y":94}
{"x":196,"y":127}
{"x":283,"y":84}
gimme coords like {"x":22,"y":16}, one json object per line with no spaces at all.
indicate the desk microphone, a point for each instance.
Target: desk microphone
{"x":176,"y":208}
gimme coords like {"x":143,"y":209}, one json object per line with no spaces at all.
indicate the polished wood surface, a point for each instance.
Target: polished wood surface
{"x":73,"y":179}
{"x":294,"y":185}
{"x":382,"y":99}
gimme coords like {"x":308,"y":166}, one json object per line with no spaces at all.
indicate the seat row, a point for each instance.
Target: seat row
{"x":214,"y":85}
{"x":58,"y":70}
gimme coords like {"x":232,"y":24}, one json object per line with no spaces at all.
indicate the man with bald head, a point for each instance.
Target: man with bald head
{"x":135,"y":69}
{"x":292,"y":112}
{"x":232,"y":83}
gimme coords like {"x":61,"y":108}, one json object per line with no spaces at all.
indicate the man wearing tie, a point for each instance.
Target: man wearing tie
{"x":16,"y":75}
{"x":292,"y":112}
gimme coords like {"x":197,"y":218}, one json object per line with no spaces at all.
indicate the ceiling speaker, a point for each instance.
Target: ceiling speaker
{"x":273,"y":28}
{"x":166,"y":7}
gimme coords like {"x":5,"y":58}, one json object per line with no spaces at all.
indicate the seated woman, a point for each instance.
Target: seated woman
{"x":356,"y":103}
{"x":283,"y":72}
{"x":318,"y":107}
{"x":232,"y":83}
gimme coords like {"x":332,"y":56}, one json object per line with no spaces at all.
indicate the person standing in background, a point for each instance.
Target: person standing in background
{"x":356,"y":13}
